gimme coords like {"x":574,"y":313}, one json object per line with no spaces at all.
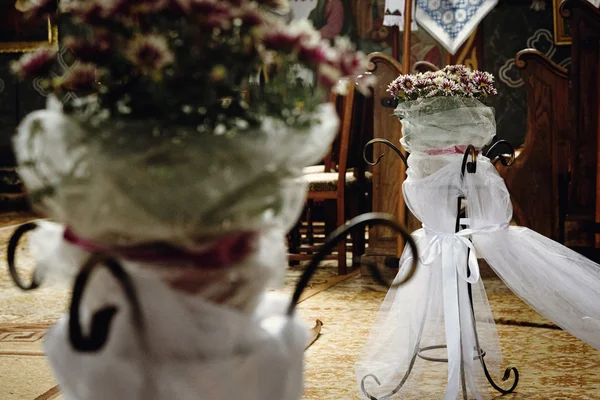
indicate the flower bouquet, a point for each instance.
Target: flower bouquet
{"x":441,"y":109}
{"x":442,"y":113}
{"x":177,"y":167}
{"x":435,"y":336}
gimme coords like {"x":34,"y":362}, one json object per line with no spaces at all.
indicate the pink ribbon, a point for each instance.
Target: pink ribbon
{"x":449,"y":150}
{"x":223,"y":252}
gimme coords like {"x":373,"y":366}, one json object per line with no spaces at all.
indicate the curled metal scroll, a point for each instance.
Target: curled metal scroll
{"x":12,"y":248}
{"x":102,"y":319}
{"x":495,"y":155}
{"x":470,"y":166}
{"x":386,"y":142}
{"x":368,"y":219}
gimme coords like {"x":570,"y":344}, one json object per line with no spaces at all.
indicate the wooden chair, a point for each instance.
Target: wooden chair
{"x":582,"y":219}
{"x":425,"y":66}
{"x":335,"y":183}
{"x":388,"y":175}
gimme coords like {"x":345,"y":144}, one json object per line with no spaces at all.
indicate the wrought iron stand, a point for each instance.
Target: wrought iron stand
{"x":470,"y":167}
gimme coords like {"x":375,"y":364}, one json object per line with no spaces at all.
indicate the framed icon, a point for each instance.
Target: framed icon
{"x":562,"y":35}
{"x":19,"y":34}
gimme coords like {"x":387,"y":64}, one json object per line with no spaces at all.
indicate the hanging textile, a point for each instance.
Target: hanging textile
{"x":451,"y":22}
{"x":394,"y":14}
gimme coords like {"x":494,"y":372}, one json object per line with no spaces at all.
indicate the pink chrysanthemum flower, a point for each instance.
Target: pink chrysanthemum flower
{"x":88,"y":12}
{"x":482,"y":79}
{"x":34,"y":64}
{"x":312,"y":55}
{"x":448,"y":87}
{"x":350,"y":62}
{"x":90,"y":51}
{"x":252,"y":18}
{"x":328,"y":76}
{"x":150,"y":6}
{"x":468,"y":89}
{"x":82,"y":78}
{"x":206,"y":6}
{"x":281,"y":39}
{"x":407,"y":83}
{"x":431,"y":91}
{"x":428,"y":75}
{"x":421,"y":82}
{"x":490,"y":91}
{"x":150,"y":54}
{"x":394,"y":89}
{"x":365,"y":82}
{"x":458,"y":70}
{"x":345,"y":57}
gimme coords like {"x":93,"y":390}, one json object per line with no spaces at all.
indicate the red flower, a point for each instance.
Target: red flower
{"x":280,"y":40}
{"x":150,"y":53}
{"x":482,"y":79}
{"x":252,"y":18}
{"x":34,"y":64}
{"x":207,"y":7}
{"x":312,"y":55}
{"x":151,"y":6}
{"x":89,"y":51}
{"x":82,"y":78}
{"x":88,"y":12}
{"x":352,"y":63}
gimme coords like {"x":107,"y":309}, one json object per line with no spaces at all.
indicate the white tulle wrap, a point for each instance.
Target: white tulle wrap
{"x":128,"y":182}
{"x":131,"y":183}
{"x":433,"y":308}
{"x":440,"y":123}
{"x":191,"y":348}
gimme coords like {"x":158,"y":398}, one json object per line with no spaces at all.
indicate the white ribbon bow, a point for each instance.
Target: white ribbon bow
{"x":458,"y":316}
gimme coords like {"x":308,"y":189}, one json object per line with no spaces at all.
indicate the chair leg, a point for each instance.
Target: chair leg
{"x":358,"y":246}
{"x":310,"y":238}
{"x":295,"y":241}
{"x":330,"y":216}
{"x":358,"y":237}
{"x":341,"y":248}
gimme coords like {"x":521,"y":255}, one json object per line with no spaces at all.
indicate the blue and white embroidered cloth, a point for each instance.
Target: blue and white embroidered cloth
{"x":451,"y":22}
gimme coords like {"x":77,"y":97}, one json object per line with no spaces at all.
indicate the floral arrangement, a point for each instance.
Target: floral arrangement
{"x":453,"y":80}
{"x":188,"y":61}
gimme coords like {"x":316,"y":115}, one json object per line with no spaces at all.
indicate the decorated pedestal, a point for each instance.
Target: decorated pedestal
{"x":183,"y":292}
{"x":435,"y":336}
{"x":169,"y":177}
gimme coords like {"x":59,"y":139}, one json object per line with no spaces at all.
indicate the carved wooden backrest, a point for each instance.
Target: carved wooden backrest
{"x":536,"y":180}
{"x":584,"y":189}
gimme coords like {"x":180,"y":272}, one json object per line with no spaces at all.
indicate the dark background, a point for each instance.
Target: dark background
{"x":507,"y":30}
